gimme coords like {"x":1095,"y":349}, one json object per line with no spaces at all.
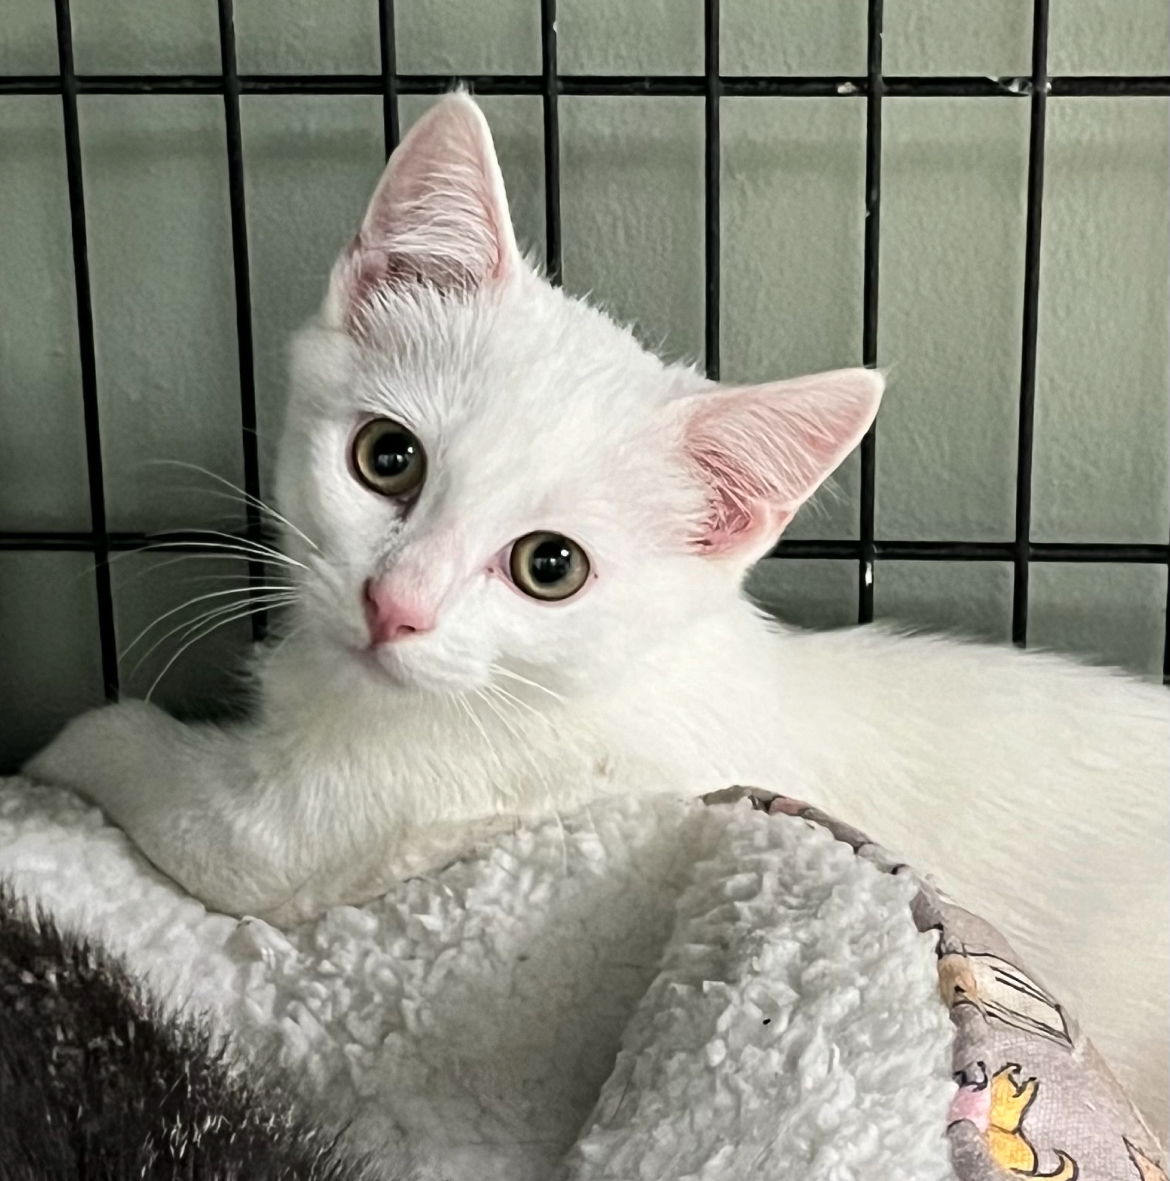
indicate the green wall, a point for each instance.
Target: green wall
{"x":951,"y":283}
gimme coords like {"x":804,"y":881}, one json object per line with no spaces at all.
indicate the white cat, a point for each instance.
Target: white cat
{"x":518,"y":542}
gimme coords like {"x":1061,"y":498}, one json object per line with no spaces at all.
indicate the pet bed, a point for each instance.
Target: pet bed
{"x":712,"y":991}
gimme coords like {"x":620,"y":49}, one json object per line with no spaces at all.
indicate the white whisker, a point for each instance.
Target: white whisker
{"x":475,"y":721}
{"x":500,"y":670}
{"x":512,"y":699}
{"x":260,"y":603}
{"x":240,"y":546}
{"x":484,"y":695}
{"x":251,"y":610}
{"x":288,"y":635}
{"x":245,"y":591}
{"x":153,"y":566}
{"x":242,"y":494}
{"x":505,"y":780}
{"x":235,"y":539}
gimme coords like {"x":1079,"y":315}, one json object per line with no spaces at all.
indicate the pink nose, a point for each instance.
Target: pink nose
{"x":390,"y":617}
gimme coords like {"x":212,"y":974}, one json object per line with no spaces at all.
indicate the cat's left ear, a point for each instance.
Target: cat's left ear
{"x":439,"y":216}
{"x":761,"y":451}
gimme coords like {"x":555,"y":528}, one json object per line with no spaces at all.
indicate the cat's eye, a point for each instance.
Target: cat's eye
{"x":548,"y":566}
{"x":388,"y":459}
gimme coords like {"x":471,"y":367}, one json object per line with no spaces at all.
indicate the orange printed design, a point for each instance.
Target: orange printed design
{"x":997,"y":1105}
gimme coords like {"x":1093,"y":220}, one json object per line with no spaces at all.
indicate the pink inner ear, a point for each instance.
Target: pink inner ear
{"x":438,"y":217}
{"x":761,"y":452}
{"x":737,"y":501}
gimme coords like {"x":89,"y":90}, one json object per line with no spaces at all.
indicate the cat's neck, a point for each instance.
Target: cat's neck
{"x":666,"y":710}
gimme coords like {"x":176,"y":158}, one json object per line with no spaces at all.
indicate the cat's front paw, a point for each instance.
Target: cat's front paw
{"x":98,"y":753}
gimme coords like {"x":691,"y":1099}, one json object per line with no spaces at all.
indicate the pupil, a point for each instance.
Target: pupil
{"x":393,"y":454}
{"x":551,"y":561}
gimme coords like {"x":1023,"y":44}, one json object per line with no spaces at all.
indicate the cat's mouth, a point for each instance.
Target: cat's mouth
{"x":415,"y":664}
{"x":384,"y":664}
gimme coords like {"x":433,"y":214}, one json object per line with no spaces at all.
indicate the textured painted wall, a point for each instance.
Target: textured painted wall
{"x":952,"y":265}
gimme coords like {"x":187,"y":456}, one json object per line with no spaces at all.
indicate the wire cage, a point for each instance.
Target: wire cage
{"x":867,"y":550}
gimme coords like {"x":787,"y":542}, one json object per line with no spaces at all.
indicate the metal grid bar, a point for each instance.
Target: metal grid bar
{"x":711,"y":187}
{"x":249,"y":439}
{"x":665,"y":85}
{"x":387,"y":47}
{"x":867,"y":558}
{"x":1166,"y":632}
{"x":549,"y":89}
{"x":549,"y":84}
{"x":1147,"y":554}
{"x":1030,"y":322}
{"x":99,"y":541}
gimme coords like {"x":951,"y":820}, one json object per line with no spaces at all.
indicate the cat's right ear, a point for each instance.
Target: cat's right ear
{"x":439,"y":217}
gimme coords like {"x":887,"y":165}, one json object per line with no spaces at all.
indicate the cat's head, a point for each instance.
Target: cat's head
{"x":494,"y":474}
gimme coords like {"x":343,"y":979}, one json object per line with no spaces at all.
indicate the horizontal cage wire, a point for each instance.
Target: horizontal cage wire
{"x":867,"y":549}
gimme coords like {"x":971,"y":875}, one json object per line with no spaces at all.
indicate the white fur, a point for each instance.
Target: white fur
{"x":1035,"y":789}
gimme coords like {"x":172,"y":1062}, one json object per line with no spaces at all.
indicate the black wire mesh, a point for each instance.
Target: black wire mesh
{"x":867,"y":550}
{"x":1030,"y":322}
{"x":243,"y":290}
{"x":874,"y":87}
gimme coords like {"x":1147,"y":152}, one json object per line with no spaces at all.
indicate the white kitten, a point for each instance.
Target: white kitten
{"x":520,"y":542}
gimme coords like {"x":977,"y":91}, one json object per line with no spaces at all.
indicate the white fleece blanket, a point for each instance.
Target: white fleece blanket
{"x":647,"y":990}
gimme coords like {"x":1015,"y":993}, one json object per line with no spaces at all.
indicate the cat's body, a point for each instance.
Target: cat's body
{"x":442,"y":676}
{"x":1031,"y":787}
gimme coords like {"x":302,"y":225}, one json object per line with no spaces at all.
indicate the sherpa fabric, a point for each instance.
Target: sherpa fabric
{"x":648,"y":990}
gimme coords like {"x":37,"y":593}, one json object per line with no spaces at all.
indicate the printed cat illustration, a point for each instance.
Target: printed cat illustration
{"x":997,"y":1105}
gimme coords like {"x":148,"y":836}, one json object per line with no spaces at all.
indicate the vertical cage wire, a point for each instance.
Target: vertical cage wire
{"x":867,"y":558}
{"x":711,"y":187}
{"x":388,"y":54}
{"x":1166,"y":631}
{"x":550,"y":89}
{"x":249,"y":439}
{"x":100,"y":536}
{"x":1027,"y":411}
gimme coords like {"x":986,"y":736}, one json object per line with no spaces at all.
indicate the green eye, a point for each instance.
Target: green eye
{"x":548,"y":566}
{"x":388,"y":459}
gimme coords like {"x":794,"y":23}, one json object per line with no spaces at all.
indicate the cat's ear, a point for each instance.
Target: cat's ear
{"x":438,"y":217}
{"x":761,"y":451}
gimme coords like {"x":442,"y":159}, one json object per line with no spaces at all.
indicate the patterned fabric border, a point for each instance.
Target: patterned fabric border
{"x":1032,"y":1096}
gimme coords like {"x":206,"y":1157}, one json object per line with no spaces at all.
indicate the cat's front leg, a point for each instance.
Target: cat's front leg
{"x":184,"y":795}
{"x":111,"y":756}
